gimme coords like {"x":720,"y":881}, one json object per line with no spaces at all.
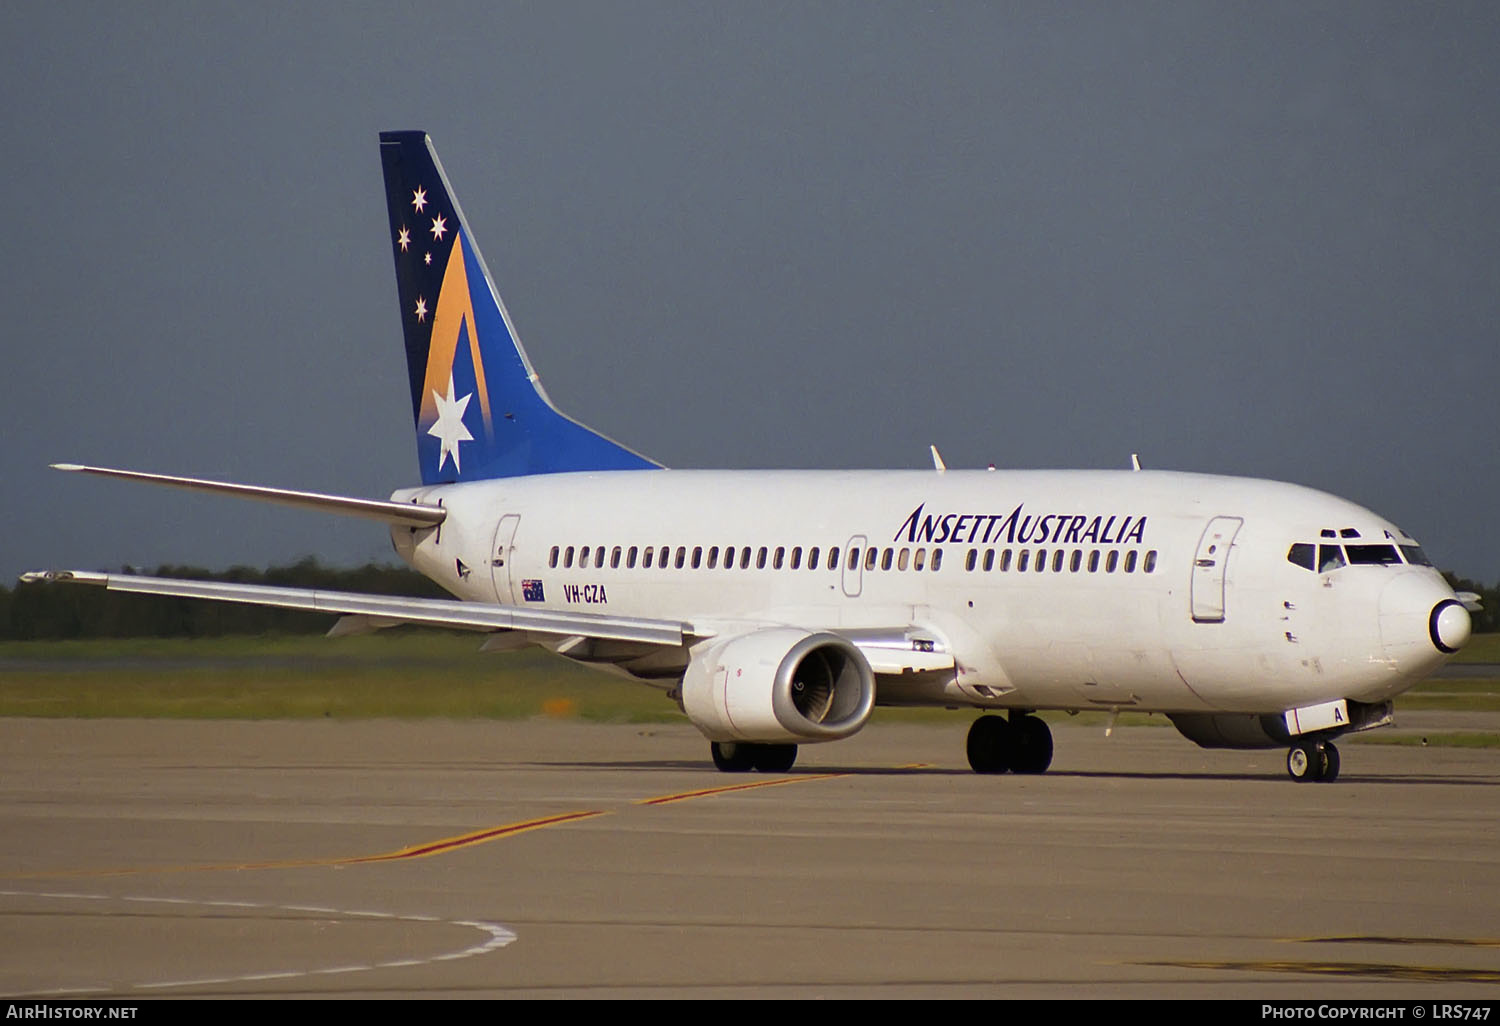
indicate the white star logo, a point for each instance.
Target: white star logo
{"x":421,"y":310}
{"x":426,"y":258}
{"x":404,"y":239}
{"x":439,"y":226}
{"x":449,"y":428}
{"x":419,"y":199}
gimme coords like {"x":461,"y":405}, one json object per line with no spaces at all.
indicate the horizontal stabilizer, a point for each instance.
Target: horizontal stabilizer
{"x":407,"y":514}
{"x":386,"y":610}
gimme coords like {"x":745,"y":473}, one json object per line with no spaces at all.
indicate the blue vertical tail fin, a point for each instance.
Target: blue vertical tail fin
{"x":480,"y":410}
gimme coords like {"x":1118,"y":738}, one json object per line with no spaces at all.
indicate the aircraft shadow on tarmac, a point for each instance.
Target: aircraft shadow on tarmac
{"x":1279,"y":778}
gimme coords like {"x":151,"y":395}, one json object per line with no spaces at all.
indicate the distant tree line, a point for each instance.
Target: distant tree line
{"x":32,"y":611}
{"x":1488,"y":618}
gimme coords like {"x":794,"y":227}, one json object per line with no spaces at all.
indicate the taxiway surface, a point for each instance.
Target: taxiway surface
{"x":154,"y":858}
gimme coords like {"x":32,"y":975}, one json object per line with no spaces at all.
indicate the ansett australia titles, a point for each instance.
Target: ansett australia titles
{"x":1020,"y":528}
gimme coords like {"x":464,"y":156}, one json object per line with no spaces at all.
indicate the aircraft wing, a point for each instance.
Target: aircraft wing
{"x":900,"y":650}
{"x":389,"y":610}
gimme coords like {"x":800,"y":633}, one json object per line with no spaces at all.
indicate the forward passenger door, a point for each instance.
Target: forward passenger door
{"x":1210,"y":565}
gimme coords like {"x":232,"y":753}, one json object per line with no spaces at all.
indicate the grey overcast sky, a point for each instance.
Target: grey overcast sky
{"x":1258,"y":238}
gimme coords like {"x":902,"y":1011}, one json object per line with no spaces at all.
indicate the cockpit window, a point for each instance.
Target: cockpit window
{"x":1415,"y":556}
{"x":1330,"y":557}
{"x":1377,"y":555}
{"x":1301,"y":554}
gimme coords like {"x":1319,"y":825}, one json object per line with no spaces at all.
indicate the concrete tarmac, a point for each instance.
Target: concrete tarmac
{"x":143,"y":859}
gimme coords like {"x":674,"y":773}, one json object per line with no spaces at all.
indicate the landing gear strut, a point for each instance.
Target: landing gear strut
{"x":1313,"y":760}
{"x":1022,"y":744}
{"x":742,"y":756}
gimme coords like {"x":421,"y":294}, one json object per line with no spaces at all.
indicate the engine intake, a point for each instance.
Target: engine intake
{"x":778,"y":685}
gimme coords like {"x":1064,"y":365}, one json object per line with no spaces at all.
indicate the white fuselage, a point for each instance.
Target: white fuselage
{"x":1051,"y":589}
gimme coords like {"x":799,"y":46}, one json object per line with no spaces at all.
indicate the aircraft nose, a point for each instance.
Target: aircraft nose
{"x":1421,"y":623}
{"x":1449,"y":626}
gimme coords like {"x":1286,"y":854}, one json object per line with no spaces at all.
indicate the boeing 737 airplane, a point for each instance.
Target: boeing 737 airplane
{"x":777,"y":608}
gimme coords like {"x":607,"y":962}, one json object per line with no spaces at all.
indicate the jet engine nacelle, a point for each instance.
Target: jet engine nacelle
{"x":779,"y":685}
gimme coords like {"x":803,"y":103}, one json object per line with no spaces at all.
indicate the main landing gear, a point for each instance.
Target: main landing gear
{"x":1313,"y":760}
{"x":1022,"y":744}
{"x":742,"y":756}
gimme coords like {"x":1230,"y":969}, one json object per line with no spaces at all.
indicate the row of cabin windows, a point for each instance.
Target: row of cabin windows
{"x":745,"y":556}
{"x":1073,"y":561}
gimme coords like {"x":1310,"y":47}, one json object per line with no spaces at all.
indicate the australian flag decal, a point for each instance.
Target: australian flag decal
{"x":531,"y":591}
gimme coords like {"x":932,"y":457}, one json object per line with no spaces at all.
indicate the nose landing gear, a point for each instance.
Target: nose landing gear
{"x":1313,"y":761}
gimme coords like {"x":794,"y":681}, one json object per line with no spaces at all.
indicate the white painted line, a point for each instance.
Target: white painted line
{"x":497,"y":937}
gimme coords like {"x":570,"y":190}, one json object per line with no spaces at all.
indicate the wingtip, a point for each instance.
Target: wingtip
{"x":73,"y":576}
{"x":67,"y":466}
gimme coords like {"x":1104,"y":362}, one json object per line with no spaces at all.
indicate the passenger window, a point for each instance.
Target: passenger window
{"x":1094,"y":561}
{"x":1040,"y":563}
{"x":745,"y":558}
{"x":833,"y":558}
{"x":1021,"y":560}
{"x":646,"y":558}
{"x":713,"y":557}
{"x":681,"y":556}
{"x":697,"y":556}
{"x":1130,"y":561}
{"x":1330,"y":557}
{"x":1150,"y":566}
{"x":552,"y":562}
{"x":1076,"y":561}
{"x":796,"y":558}
{"x":583,"y":557}
{"x":599,"y":557}
{"x":937,"y":559}
{"x":919,"y":560}
{"x":853,"y":563}
{"x":989,"y":560}
{"x":614,"y":558}
{"x":1057,"y":561}
{"x":903,"y":558}
{"x":1005,"y":561}
{"x":886,"y":558}
{"x":1303,"y":555}
{"x":1111,"y":561}
{"x":760,"y":558}
{"x":779,"y":558}
{"x":971,"y":560}
{"x":870,"y":555}
{"x":630,"y":555}
{"x":812,"y":558}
